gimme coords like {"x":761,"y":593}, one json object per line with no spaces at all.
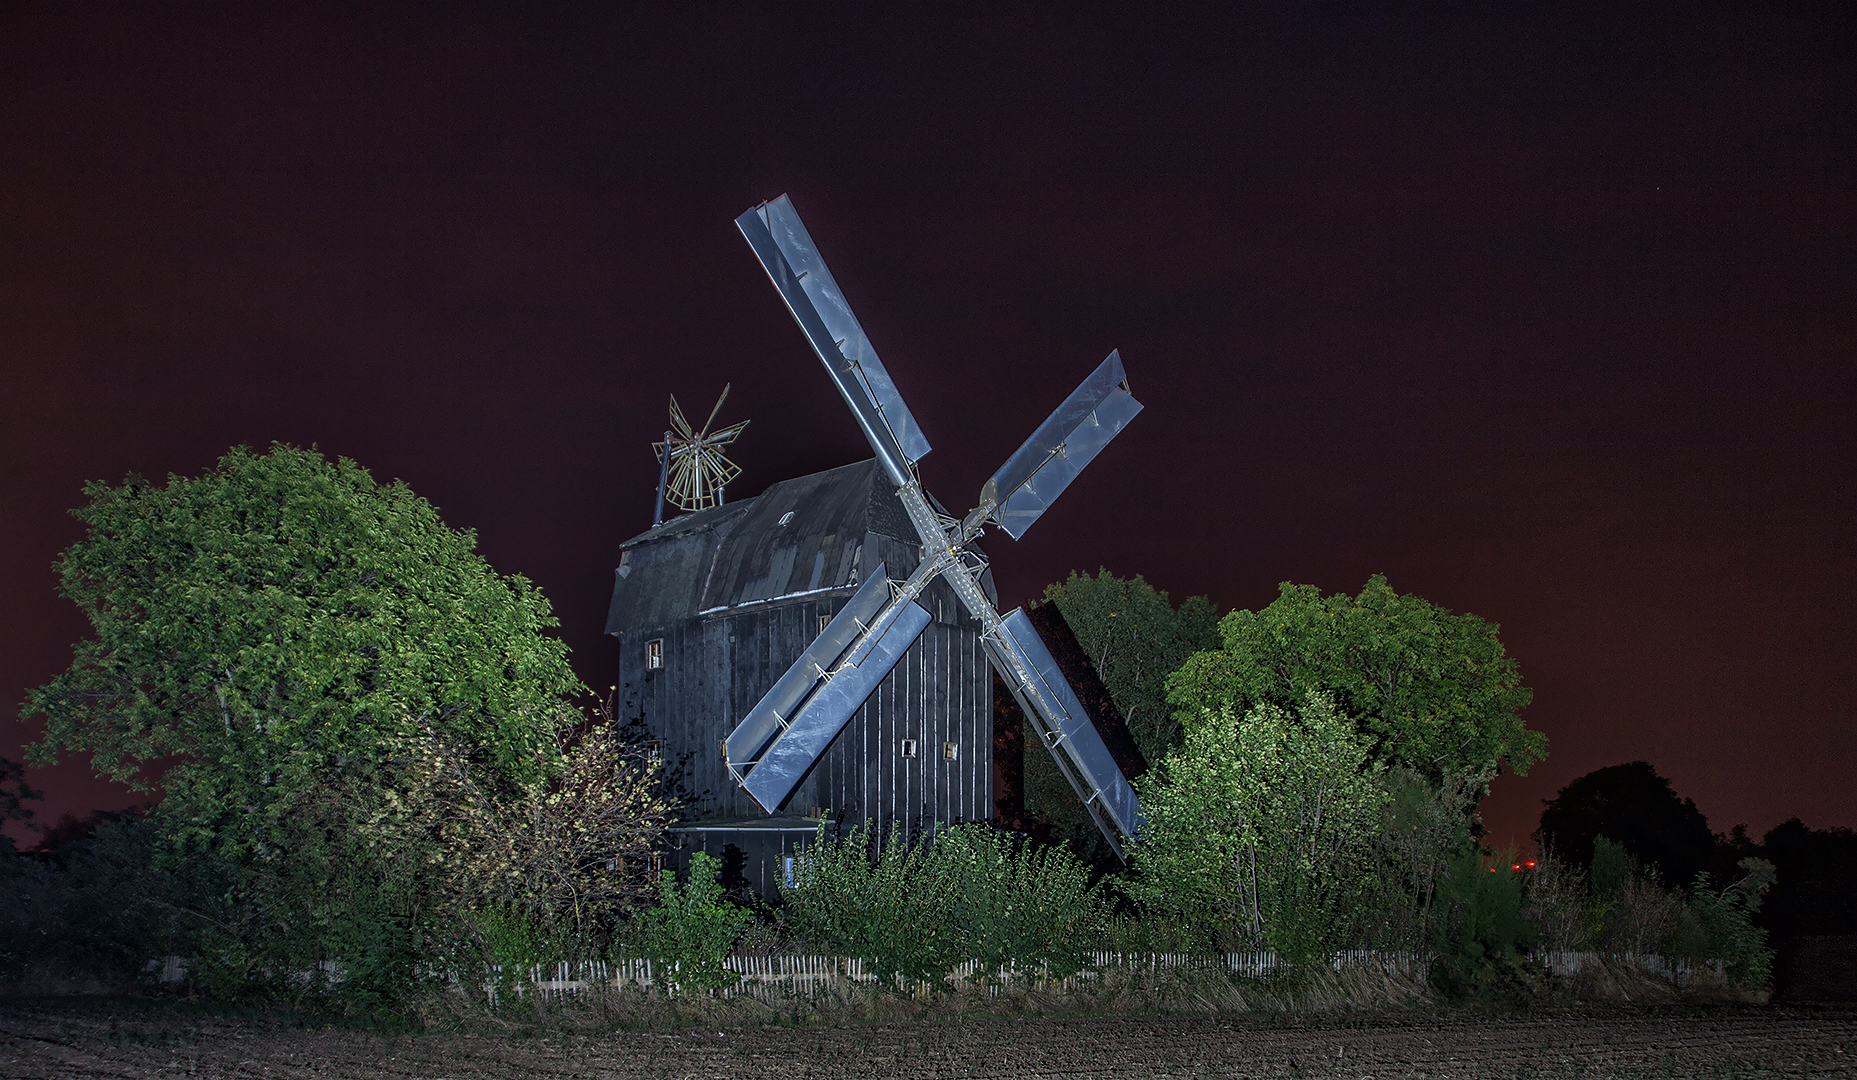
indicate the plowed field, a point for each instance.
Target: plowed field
{"x":45,"y":1039}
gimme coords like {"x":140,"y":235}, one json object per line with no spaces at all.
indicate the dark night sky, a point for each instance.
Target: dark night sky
{"x":1548,"y":316}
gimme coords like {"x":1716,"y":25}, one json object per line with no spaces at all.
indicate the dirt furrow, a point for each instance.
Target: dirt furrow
{"x":55,"y":1041}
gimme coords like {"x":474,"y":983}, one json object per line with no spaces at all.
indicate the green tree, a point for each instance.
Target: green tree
{"x":282,"y":615}
{"x":1135,"y":638}
{"x":1259,"y":827}
{"x":1433,"y":690}
{"x":296,"y":649}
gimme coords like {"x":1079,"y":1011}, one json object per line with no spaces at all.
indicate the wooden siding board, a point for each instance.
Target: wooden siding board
{"x":719,"y":692}
{"x":935,"y":776}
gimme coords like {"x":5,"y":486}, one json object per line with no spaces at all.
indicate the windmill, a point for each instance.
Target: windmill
{"x":692,"y":470}
{"x":778,"y":742}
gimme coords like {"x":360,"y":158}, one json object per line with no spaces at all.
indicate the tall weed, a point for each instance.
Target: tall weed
{"x":1629,"y":912}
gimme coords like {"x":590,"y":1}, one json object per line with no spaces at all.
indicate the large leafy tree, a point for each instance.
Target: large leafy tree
{"x":1433,"y":690}
{"x":361,"y":730}
{"x":282,"y":615}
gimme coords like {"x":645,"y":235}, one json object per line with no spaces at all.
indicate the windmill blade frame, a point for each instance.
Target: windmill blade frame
{"x":679,"y":423}
{"x":720,"y":398}
{"x":1069,"y":439}
{"x":695,"y":470}
{"x":799,"y":274}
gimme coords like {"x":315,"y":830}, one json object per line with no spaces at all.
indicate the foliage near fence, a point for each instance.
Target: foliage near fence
{"x":994,"y":904}
{"x":795,"y":988}
{"x":692,"y":929}
{"x":970,"y":895}
{"x":786,"y":975}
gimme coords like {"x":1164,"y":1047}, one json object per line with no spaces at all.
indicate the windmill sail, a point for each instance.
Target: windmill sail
{"x":1095,"y":412}
{"x":1066,"y":729}
{"x":787,"y":253}
{"x":771,"y":714}
{"x":785,"y":763}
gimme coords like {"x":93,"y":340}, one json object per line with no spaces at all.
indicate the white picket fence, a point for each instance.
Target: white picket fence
{"x":787,"y":976}
{"x":769,"y":977}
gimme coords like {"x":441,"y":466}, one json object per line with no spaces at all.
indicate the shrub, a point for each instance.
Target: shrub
{"x":921,"y":909}
{"x":1720,"y":926}
{"x":1018,"y":904}
{"x":1260,"y":828}
{"x":1629,"y":911}
{"x":1481,"y":933}
{"x":100,"y":906}
{"x":1554,"y":902}
{"x":693,"y":926}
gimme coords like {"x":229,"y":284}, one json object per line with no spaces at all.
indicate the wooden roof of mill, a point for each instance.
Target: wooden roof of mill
{"x":799,"y":537}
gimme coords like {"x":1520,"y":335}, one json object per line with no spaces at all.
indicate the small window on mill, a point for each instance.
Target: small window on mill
{"x":824,"y":621}
{"x":654,"y":654}
{"x":908,"y":748}
{"x":950,"y":751}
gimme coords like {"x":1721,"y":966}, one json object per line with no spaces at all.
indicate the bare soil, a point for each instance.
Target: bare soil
{"x":46,"y":1038}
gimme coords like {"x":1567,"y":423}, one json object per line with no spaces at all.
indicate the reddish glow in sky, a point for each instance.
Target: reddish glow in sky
{"x":1547,"y":317}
